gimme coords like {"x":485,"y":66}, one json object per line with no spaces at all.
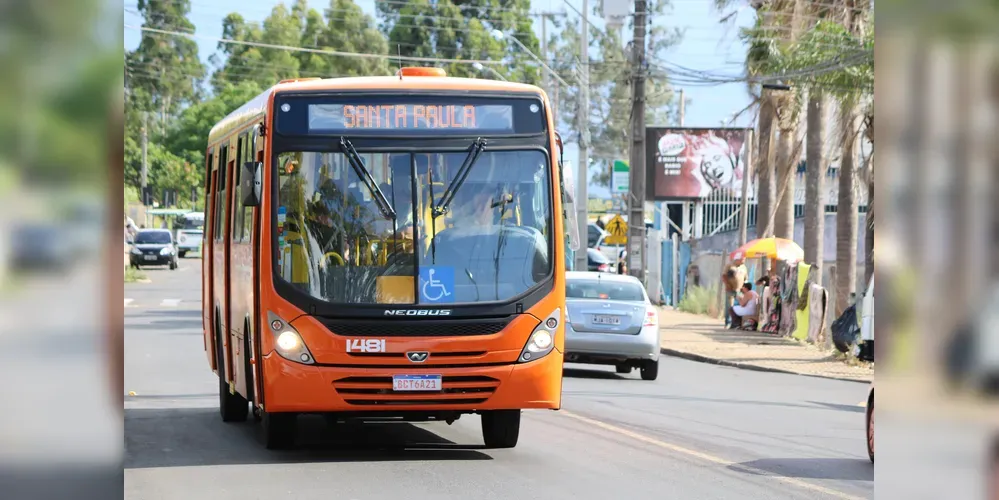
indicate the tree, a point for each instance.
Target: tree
{"x":264,"y":66}
{"x":164,"y":71}
{"x":188,"y":137}
{"x":345,"y":28}
{"x":610,"y":85}
{"x":463,"y":29}
{"x":836,"y":57}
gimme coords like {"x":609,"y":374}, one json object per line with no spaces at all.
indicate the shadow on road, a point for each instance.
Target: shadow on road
{"x":591,"y":374}
{"x":837,"y":469}
{"x":172,"y":321}
{"x":188,"y":326}
{"x":841,"y":407}
{"x":197,"y":436}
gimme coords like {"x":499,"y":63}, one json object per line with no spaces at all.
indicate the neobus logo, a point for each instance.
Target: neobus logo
{"x":418,"y":312}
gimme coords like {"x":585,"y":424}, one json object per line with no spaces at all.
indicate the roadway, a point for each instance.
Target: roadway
{"x":699,"y":432}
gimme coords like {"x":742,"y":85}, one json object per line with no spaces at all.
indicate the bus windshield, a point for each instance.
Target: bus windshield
{"x":491,"y":243}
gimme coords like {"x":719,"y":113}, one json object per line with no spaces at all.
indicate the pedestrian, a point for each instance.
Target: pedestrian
{"x":733,"y":278}
{"x":745,"y":305}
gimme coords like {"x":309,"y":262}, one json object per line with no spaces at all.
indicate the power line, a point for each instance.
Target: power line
{"x":314,"y":51}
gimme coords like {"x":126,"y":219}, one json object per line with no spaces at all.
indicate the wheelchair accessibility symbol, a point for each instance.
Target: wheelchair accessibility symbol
{"x":436,"y":285}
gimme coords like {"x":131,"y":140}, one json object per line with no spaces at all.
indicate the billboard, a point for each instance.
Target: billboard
{"x":686,"y":163}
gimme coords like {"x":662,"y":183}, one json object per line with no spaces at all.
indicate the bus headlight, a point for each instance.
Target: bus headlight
{"x":542,"y":339}
{"x":288,"y":343}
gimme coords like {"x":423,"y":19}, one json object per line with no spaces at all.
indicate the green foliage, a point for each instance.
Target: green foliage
{"x":827,"y":56}
{"x":462,"y":29}
{"x":345,"y":28}
{"x":699,"y":300}
{"x":133,"y":275}
{"x":188,"y":137}
{"x":166,"y":68}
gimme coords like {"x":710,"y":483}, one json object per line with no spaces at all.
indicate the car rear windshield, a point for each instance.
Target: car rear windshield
{"x":604,"y":290}
{"x":153,"y":237}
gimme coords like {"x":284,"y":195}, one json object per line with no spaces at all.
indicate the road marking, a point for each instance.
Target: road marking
{"x":128,"y":302}
{"x":170,"y":302}
{"x":708,"y":458}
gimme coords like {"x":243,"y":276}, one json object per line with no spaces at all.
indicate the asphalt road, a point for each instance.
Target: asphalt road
{"x":699,"y":432}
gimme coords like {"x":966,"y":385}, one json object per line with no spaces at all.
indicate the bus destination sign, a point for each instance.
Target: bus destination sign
{"x":409,"y":115}
{"x":401,"y":117}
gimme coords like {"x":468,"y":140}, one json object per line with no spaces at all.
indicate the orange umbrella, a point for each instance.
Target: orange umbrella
{"x":771,"y":248}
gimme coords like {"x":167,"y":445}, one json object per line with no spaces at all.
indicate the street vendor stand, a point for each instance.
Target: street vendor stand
{"x":772,"y":310}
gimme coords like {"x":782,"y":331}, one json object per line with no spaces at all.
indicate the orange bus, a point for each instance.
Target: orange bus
{"x":387,"y":248}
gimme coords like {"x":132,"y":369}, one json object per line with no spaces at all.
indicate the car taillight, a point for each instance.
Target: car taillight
{"x":651,"y":318}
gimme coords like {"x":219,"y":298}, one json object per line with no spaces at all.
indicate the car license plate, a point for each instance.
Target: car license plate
{"x":150,"y":257}
{"x":416,"y":383}
{"x":602,"y":319}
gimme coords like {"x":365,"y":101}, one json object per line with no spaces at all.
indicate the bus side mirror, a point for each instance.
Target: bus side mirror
{"x":250,"y":183}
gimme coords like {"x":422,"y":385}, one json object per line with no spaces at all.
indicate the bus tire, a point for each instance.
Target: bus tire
{"x":232,"y":407}
{"x":501,"y":428}
{"x":870,"y":426}
{"x":278,"y":430}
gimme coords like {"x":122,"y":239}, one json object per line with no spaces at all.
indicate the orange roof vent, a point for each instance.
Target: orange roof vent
{"x":293,"y":80}
{"x":420,"y":72}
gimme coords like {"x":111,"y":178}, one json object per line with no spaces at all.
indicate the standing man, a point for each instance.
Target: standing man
{"x":733,"y":277}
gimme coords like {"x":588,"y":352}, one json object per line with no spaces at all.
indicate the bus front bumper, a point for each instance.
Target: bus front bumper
{"x":294,"y":387}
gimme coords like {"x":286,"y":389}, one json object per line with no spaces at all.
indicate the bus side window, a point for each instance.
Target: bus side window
{"x":220,"y":194}
{"x":209,"y":176}
{"x":251,"y":153}
{"x":237,"y":215}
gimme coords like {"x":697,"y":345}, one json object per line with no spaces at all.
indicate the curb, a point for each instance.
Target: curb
{"x":745,"y":366}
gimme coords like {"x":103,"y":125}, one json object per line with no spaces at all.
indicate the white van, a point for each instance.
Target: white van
{"x":190,"y":229}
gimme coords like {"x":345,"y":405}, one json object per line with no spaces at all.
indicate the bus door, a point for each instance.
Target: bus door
{"x":220,"y":255}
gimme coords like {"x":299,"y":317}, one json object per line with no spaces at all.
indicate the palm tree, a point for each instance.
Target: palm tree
{"x":777,"y":110}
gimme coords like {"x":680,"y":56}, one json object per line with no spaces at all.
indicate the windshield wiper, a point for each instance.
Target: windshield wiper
{"x":442,"y":206}
{"x":355,"y":161}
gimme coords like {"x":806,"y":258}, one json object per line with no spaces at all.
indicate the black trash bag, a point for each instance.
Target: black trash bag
{"x":845,"y":330}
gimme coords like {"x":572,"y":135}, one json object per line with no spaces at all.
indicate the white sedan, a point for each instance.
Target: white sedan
{"x":611,"y":321}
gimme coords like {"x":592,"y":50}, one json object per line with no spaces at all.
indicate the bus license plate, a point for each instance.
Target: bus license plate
{"x":416,"y":382}
{"x":606,"y":320}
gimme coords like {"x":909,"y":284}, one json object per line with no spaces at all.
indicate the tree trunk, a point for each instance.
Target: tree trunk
{"x":784,"y":220}
{"x":869,"y":226}
{"x":766,"y":176}
{"x":846,"y":216}
{"x":815,"y":193}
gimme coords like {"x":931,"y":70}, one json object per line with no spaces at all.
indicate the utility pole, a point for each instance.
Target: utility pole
{"x":683,"y":107}
{"x":544,"y":52}
{"x":145,"y":156}
{"x":636,"y":224}
{"x":583,"y":175}
{"x":747,"y":172}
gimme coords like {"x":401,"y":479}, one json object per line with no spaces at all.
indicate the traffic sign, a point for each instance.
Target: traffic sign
{"x":618,"y":230}
{"x":619,"y":177}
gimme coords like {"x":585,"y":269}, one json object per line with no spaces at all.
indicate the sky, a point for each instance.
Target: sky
{"x":706,"y":45}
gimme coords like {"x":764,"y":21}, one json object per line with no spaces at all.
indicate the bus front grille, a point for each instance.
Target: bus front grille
{"x":421,"y":328}
{"x":377,"y":391}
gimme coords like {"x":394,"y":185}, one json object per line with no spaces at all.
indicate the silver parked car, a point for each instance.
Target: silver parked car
{"x":611,"y":321}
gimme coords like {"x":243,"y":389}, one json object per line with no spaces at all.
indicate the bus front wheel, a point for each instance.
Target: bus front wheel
{"x":501,"y":428}
{"x":278,"y":430}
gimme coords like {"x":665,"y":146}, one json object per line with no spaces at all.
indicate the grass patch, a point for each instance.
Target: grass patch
{"x":133,"y":275}
{"x":700,"y":300}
